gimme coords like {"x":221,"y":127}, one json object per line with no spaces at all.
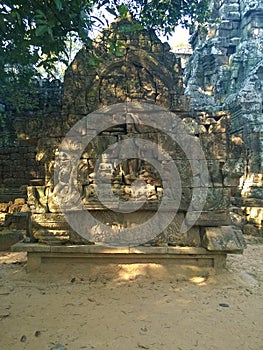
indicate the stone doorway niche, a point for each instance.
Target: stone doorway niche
{"x":142,"y":71}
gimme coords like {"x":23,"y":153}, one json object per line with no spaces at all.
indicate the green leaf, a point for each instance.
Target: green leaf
{"x":41,"y":21}
{"x":123,"y":10}
{"x":93,"y":61}
{"x":50,"y":32}
{"x":40,"y":14}
{"x":2,"y":24}
{"x":18,"y":17}
{"x":42,"y":30}
{"x":59,"y":4}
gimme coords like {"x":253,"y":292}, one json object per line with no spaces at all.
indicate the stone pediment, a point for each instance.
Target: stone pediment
{"x":133,"y":66}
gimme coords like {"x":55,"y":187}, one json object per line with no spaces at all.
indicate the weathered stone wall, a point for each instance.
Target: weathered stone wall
{"x":18,"y":163}
{"x":24,"y":139}
{"x":225,"y":72}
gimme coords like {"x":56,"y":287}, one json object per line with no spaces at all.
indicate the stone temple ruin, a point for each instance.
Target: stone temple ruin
{"x":225,"y":73}
{"x":141,"y":83}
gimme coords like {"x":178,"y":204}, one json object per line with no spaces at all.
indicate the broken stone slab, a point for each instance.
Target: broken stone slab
{"x":19,"y":221}
{"x":225,"y":239}
{"x":8,"y":238}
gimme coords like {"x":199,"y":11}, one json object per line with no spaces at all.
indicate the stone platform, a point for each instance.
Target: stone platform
{"x":184,"y":260}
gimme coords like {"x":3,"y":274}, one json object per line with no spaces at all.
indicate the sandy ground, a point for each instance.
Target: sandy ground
{"x":129,"y":310}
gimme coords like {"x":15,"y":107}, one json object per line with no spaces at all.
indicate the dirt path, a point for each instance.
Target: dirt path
{"x":67,"y":306}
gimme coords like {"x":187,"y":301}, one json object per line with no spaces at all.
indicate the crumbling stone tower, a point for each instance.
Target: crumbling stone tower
{"x":225,"y":73}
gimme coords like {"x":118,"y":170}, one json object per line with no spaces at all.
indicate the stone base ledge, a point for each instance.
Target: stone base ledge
{"x":101,"y":249}
{"x":188,"y":259}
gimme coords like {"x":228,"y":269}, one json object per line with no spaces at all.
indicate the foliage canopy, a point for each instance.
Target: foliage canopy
{"x":38,"y":33}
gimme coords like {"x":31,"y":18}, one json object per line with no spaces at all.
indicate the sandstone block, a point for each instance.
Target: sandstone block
{"x":9,"y":237}
{"x":4,"y":207}
{"x":19,"y":221}
{"x":225,"y":238}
